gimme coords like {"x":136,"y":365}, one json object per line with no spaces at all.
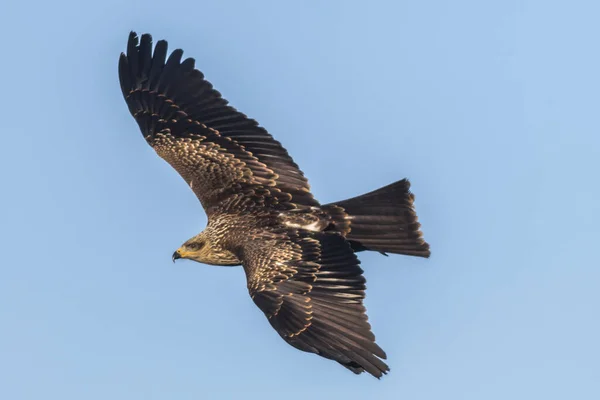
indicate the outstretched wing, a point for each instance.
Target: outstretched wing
{"x":216,"y":149}
{"x":311,"y":288}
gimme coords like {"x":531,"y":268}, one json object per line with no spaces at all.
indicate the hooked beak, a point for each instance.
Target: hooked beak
{"x":176,"y":255}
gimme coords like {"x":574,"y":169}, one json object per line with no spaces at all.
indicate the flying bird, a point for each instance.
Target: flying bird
{"x":299,"y":256}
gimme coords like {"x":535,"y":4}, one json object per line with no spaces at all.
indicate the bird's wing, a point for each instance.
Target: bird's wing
{"x":311,"y":288}
{"x":215,"y":148}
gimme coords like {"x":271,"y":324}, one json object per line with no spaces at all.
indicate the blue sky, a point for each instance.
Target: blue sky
{"x":490,"y":108}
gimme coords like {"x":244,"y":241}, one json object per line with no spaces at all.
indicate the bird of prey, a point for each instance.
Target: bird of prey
{"x":299,"y":256}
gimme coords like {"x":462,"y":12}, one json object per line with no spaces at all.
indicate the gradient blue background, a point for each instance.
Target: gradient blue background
{"x":490,"y":108}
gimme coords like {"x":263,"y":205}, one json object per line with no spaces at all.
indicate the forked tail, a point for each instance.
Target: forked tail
{"x":383,"y":220}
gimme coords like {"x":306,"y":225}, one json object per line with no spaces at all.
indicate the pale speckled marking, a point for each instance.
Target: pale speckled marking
{"x":203,"y":163}
{"x":272,"y":265}
{"x":313,"y":226}
{"x":301,"y":219}
{"x":211,"y":167}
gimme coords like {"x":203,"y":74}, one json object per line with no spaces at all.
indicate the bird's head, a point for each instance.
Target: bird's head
{"x":201,"y":249}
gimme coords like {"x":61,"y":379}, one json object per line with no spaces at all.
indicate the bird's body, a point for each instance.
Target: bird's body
{"x":298,"y":255}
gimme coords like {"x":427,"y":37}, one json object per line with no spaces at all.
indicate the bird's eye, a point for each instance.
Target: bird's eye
{"x":195,"y":246}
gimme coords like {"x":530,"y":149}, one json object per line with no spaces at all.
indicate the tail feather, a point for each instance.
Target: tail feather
{"x":383,"y":220}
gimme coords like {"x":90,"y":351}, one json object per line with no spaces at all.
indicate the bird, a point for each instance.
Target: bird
{"x":299,"y":256}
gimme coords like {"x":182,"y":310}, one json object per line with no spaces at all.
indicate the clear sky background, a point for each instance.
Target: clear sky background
{"x":490,"y":108}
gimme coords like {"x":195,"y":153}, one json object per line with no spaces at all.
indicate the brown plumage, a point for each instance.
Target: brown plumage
{"x":298,"y":256}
